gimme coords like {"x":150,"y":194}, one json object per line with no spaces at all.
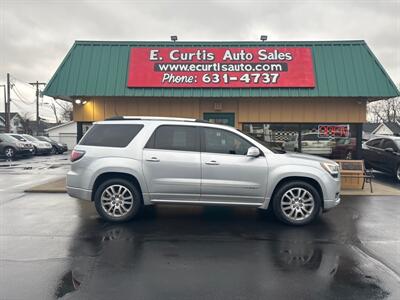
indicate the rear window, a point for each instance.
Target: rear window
{"x":110,"y":135}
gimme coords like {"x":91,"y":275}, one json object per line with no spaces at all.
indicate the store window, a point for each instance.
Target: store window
{"x":335,"y":141}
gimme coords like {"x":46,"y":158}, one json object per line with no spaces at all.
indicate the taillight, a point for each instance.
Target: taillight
{"x":76,"y":154}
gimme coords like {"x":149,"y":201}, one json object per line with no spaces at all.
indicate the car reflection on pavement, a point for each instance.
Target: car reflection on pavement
{"x":212,"y":252}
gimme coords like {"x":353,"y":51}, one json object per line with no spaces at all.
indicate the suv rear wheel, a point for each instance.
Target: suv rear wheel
{"x":117,"y":200}
{"x":296,"y":203}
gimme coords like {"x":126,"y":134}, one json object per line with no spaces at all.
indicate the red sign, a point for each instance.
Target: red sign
{"x":221,"y":67}
{"x":333,"y":130}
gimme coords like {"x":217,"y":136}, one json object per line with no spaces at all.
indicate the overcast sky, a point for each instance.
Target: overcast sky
{"x":36,"y":34}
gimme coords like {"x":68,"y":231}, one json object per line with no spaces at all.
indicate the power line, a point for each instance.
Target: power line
{"x":20,"y":97}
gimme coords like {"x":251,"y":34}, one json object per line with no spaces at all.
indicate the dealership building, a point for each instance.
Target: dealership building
{"x":306,"y":96}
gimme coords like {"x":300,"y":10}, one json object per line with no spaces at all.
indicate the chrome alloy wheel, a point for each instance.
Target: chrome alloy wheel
{"x":297,"y":204}
{"x":9,"y":152}
{"x":117,"y":200}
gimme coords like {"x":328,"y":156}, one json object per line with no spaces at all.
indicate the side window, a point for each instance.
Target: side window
{"x":388,"y":144}
{"x":111,"y":135}
{"x":374,"y":143}
{"x":174,"y":137}
{"x":221,"y":141}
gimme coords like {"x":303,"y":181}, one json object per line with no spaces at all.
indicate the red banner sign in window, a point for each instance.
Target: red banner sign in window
{"x":221,"y":67}
{"x":333,"y":130}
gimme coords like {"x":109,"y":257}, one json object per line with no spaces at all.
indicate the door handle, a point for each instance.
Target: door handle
{"x":153,"y":159}
{"x":212,"y":162}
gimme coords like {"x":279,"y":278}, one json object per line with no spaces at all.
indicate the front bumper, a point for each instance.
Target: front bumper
{"x":328,"y":204}
{"x":43,"y":150}
{"x":24,"y":151}
{"x":331,"y":193}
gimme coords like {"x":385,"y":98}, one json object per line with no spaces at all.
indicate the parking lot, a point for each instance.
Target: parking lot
{"x":56,"y":247}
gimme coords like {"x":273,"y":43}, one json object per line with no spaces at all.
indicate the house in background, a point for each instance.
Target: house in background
{"x":368,"y":129}
{"x":388,"y":128}
{"x":371,"y":130}
{"x":15,"y":122}
{"x":64,"y":133}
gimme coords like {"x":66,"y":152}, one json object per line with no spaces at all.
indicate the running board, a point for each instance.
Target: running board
{"x":206,"y":202}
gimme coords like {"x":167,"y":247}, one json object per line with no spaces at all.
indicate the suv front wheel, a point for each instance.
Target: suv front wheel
{"x":296,"y":203}
{"x":117,"y":200}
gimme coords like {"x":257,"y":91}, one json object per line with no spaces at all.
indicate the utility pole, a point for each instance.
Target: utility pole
{"x":37,"y":84}
{"x":8,"y":104}
{"x":5,"y":99}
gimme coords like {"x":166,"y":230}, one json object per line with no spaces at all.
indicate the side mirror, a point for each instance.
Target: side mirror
{"x":391,"y":150}
{"x":253,"y":152}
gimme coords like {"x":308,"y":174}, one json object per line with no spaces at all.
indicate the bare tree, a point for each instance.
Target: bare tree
{"x":55,"y":112}
{"x":384,"y":110}
{"x":66,"y":109}
{"x":26,"y":123}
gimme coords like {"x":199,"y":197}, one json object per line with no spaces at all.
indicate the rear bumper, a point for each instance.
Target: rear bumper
{"x":79,"y":193}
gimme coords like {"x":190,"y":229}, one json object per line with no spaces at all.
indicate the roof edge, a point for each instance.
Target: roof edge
{"x":58,"y":69}
{"x":99,"y":42}
{"x":384,"y":71}
{"x":59,"y":125}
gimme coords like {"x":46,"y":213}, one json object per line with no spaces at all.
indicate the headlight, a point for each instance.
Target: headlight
{"x":20,"y":145}
{"x":331,"y":168}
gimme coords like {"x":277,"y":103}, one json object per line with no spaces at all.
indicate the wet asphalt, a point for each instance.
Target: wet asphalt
{"x":56,"y":247}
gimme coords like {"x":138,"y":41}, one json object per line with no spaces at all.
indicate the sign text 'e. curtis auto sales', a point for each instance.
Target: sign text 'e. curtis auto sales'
{"x":221,"y":67}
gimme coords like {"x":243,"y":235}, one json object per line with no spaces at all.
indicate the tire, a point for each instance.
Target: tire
{"x":9,"y":152}
{"x":397,"y":174}
{"x":109,"y":204}
{"x":296,"y":203}
{"x":34,"y":151}
{"x":53,"y":150}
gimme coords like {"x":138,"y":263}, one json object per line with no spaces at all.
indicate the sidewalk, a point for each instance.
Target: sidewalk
{"x":56,"y":186}
{"x":379,"y":189}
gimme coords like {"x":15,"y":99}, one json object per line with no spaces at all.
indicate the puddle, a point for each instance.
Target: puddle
{"x":67,"y":285}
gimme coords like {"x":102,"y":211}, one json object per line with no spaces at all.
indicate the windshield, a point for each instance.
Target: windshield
{"x":30,"y":138}
{"x":18,"y":137}
{"x":44,"y":138}
{"x":274,"y":149}
{"x":8,"y":138}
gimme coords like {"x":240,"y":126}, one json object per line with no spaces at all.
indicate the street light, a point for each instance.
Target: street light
{"x":174,"y":38}
{"x":264,"y":38}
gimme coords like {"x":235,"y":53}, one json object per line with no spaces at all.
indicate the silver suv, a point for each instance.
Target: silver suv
{"x":124,"y":163}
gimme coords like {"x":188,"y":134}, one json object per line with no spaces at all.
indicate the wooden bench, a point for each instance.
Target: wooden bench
{"x":354,"y":175}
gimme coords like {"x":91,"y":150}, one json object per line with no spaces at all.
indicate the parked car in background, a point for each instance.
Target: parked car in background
{"x":11,"y":147}
{"x":58,"y":148}
{"x":383,"y":154}
{"x":39,"y":147}
{"x":345,"y":148}
{"x":127,"y":162}
{"x":311,"y":143}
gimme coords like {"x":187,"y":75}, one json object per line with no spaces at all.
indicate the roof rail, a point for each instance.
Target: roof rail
{"x":148,"y":118}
